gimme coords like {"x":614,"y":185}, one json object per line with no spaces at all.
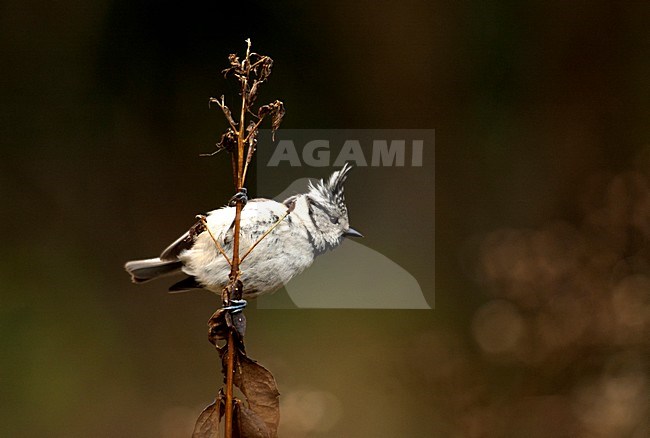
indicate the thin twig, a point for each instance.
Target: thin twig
{"x":233,"y":161}
{"x":210,"y":154}
{"x":230,"y":366}
{"x":263,"y":236}
{"x":255,"y":126}
{"x":259,"y":61}
{"x":251,"y":149}
{"x":249,"y":157}
{"x":240,"y":140}
{"x":216,"y":242}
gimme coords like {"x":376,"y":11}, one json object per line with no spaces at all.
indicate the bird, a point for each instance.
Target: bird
{"x":283,"y":238}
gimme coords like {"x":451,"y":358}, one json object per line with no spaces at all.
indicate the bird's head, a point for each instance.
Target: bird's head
{"x":327,"y":208}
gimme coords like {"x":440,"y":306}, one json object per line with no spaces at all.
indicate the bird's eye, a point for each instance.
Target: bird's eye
{"x":334,"y":220}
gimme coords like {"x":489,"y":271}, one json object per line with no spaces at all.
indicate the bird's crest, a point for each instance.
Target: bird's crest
{"x":332,"y":189}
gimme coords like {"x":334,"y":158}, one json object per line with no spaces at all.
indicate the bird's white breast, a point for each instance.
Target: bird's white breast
{"x":281,"y":255}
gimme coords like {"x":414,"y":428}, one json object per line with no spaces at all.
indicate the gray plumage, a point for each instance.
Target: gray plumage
{"x":317,"y":221}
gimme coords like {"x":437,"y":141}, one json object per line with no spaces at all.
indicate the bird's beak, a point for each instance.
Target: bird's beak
{"x":351,"y":232}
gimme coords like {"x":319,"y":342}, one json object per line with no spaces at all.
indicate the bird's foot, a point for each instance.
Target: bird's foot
{"x":240,"y":196}
{"x":236,"y":306}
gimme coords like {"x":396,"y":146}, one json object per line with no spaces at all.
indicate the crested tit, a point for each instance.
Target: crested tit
{"x":315,"y":222}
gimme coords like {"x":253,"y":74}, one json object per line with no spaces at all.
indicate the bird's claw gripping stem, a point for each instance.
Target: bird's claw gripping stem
{"x":241,"y":195}
{"x":236,"y":306}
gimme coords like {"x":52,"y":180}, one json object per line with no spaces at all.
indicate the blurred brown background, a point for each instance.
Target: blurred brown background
{"x":542,"y":207}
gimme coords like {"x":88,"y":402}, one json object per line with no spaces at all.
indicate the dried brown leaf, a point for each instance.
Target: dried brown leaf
{"x":228,"y":114}
{"x":265,"y":71}
{"x":224,"y":108}
{"x":207,"y":425}
{"x":263,"y":110}
{"x":276,"y":110}
{"x":239,"y":323}
{"x":261,"y":67}
{"x":228,"y":141}
{"x":218,"y":326}
{"x":258,"y":385}
{"x":234,"y":60}
{"x":252,"y":93}
{"x":221,"y":322}
{"x":235,"y":65}
{"x":247,"y":424}
{"x":277,"y":115}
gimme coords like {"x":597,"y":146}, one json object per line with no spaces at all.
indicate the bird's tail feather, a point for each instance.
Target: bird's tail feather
{"x":149,"y":269}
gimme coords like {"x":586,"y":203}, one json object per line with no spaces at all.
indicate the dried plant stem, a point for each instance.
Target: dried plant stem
{"x":230,"y":366}
{"x":240,"y":140}
{"x":234,"y":271}
{"x":251,"y":145}
{"x":230,"y":353}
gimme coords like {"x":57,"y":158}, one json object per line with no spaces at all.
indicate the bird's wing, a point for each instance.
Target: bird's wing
{"x":219,"y":220}
{"x":259,"y":200}
{"x":182,"y":243}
